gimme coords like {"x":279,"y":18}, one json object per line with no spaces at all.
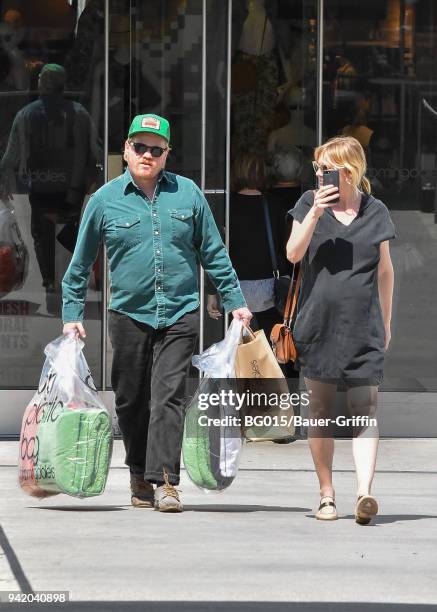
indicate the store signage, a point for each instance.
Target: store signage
{"x":14,"y":308}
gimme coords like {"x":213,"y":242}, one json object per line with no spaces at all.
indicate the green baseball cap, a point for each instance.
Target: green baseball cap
{"x":150,"y":123}
{"x":52,"y":77}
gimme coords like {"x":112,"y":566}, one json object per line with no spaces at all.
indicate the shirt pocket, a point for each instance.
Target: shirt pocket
{"x":127,"y":230}
{"x":182,"y":224}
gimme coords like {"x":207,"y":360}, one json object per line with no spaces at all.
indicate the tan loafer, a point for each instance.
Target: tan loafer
{"x":365,"y":510}
{"x":327,"y":510}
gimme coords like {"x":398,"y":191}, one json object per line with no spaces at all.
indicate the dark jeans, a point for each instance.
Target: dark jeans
{"x":149,"y":375}
{"x":47,"y":210}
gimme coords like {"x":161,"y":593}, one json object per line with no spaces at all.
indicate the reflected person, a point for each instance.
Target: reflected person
{"x":251,"y":256}
{"x":50,"y":148}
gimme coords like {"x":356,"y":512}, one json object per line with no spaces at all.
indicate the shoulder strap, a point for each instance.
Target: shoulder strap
{"x":264,"y":33}
{"x":270,"y":237}
{"x":293,"y":294}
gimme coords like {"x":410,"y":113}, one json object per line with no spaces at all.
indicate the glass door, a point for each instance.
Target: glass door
{"x":270,"y":82}
{"x":155,"y":66}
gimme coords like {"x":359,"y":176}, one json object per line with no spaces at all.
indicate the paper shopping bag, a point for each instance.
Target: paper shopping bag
{"x":267,"y":413}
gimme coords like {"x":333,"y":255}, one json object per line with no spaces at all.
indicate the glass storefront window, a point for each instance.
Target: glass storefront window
{"x":380,"y":86}
{"x":51,"y":159}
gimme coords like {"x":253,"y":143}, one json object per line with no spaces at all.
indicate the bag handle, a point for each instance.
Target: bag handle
{"x":289,"y":307}
{"x":250,"y":332}
{"x":291,"y":303}
{"x":292,"y":296}
{"x":270,"y":240}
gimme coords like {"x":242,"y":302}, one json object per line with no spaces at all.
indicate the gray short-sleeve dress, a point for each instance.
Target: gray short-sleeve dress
{"x":339,"y":330}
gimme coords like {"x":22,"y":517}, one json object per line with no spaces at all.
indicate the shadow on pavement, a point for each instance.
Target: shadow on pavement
{"x":82,"y":508}
{"x":394,"y":518}
{"x":222,"y":606}
{"x":242,"y":508}
{"x":14,"y":563}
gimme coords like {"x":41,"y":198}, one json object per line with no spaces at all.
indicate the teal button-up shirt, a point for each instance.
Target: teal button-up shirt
{"x":153,"y":248}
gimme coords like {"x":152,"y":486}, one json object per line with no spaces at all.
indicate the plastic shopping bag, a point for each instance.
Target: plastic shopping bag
{"x":211,"y":451}
{"x":66,"y":433}
{"x":218,"y":361}
{"x":14,"y":257}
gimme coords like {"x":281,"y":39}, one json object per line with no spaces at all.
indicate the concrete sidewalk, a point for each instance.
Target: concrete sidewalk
{"x":255,"y":546}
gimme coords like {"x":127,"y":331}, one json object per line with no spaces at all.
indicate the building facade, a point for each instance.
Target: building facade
{"x":273,"y":77}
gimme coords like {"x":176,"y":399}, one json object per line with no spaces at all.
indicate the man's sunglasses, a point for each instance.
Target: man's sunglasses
{"x":141,"y":148}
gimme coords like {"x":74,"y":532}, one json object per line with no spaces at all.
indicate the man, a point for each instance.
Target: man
{"x":51,"y":147}
{"x":156,"y":226}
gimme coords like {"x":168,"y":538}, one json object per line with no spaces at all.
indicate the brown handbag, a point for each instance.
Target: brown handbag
{"x":281,"y":336}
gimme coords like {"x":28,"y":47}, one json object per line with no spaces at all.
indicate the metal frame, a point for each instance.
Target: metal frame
{"x":228,"y":134}
{"x":105,"y":166}
{"x":203,"y":168}
{"x":320,"y":41}
{"x":226,"y":189}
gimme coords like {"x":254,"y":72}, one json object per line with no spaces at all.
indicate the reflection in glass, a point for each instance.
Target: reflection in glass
{"x":380,"y":86}
{"x":50,"y":160}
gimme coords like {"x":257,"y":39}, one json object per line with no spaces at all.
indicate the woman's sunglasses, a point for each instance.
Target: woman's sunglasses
{"x":323,"y":168}
{"x":141,"y":148}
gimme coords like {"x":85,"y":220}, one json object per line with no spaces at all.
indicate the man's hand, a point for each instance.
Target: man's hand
{"x":212,"y":306}
{"x":74,"y":327}
{"x":5,"y":190}
{"x":242,"y":314}
{"x":74,"y":198}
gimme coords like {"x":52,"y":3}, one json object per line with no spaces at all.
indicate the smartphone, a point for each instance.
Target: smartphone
{"x":331,"y":177}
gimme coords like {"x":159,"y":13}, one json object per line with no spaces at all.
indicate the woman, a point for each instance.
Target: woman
{"x":342,"y":328}
{"x":248,"y":244}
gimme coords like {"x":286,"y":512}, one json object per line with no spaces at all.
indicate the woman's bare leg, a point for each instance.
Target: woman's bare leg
{"x":362,"y":402}
{"x":321,"y":443}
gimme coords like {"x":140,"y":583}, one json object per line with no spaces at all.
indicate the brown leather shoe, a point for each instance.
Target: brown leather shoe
{"x":142,"y":492}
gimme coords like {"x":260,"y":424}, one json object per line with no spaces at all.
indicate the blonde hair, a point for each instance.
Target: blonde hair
{"x":249,"y":171}
{"x":346,"y":152}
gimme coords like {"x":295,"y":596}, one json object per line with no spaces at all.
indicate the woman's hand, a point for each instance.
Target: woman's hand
{"x":301,"y":233}
{"x":324,"y":198}
{"x":385,"y":287}
{"x":212,"y":306}
{"x":387,"y":336}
